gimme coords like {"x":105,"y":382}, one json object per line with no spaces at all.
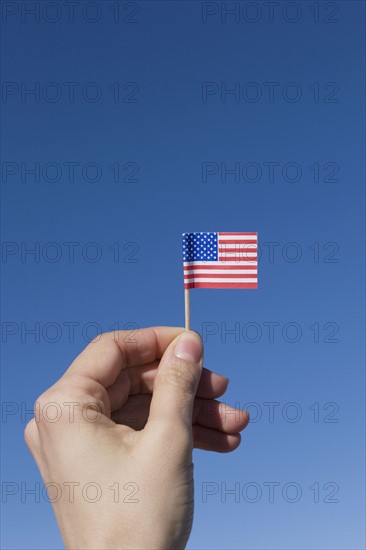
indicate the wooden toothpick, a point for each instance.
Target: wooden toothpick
{"x":187,"y":309}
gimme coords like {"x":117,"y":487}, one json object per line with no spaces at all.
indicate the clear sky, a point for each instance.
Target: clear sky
{"x":168,"y":117}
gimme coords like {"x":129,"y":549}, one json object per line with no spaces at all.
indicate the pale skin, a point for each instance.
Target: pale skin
{"x":120,"y":453}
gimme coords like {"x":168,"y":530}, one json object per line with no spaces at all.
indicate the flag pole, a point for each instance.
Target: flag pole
{"x":187,"y":309}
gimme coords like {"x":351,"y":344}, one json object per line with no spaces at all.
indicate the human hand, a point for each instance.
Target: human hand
{"x":130,"y":411}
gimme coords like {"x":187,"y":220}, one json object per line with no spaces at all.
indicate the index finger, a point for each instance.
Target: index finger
{"x":104,"y":358}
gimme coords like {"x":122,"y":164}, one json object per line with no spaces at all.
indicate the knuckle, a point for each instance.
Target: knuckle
{"x":47,"y":398}
{"x":102,"y":338}
{"x":48,"y":407}
{"x":69,"y":401}
{"x":30,"y":435}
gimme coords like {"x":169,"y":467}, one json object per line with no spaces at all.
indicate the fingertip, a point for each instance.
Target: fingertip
{"x":247,"y":418}
{"x":188,"y":346}
{"x":233,"y":442}
{"x":219,"y":384}
{"x":208,"y":439}
{"x":223,"y":380}
{"x":212,"y":385}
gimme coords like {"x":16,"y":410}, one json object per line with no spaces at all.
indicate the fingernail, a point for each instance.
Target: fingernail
{"x":189,"y":347}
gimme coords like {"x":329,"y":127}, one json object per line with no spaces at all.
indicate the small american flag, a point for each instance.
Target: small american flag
{"x":220,"y":260}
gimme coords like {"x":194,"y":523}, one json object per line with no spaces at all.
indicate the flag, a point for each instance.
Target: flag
{"x":220,"y":260}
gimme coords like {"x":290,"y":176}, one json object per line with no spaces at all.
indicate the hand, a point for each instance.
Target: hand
{"x":113,"y":438}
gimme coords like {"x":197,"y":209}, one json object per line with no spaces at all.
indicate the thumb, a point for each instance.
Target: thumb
{"x":176,"y":381}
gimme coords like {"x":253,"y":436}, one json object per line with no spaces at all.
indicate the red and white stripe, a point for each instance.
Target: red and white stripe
{"x":237,"y":266}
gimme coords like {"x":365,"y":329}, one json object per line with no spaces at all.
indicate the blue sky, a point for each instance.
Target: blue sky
{"x":170,"y":117}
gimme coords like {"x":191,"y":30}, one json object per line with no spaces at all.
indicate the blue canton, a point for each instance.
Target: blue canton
{"x":200,"y":247}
